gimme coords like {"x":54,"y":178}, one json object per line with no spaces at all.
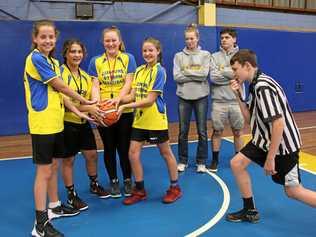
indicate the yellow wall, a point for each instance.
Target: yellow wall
{"x":207,"y":14}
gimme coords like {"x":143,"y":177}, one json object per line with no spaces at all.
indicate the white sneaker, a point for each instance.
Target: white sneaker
{"x":201,"y":168}
{"x":181,"y":167}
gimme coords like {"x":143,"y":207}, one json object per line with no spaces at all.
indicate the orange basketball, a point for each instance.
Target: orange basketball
{"x":109,"y":113}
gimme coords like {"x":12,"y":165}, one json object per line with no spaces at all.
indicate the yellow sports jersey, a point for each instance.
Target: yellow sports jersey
{"x":111,"y":73}
{"x":82,"y":84}
{"x":44,"y":104}
{"x":149,"y":79}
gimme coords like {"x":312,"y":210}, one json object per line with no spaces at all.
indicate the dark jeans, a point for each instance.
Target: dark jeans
{"x":117,"y":138}
{"x":199,"y":107}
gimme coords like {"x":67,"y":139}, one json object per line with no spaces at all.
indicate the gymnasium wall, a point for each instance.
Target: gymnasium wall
{"x":287,"y":56}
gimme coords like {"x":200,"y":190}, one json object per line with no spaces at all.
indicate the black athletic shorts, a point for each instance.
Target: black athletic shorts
{"x":46,"y":147}
{"x":78,"y":137}
{"x":287,"y":166}
{"x":151,"y":136}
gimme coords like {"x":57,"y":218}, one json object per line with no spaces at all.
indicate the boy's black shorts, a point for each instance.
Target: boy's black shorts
{"x":287,"y":166}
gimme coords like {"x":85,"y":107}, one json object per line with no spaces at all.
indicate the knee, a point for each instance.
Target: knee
{"x":68,"y":162}
{"x":133,"y":155}
{"x":237,"y":133}
{"x":165,"y":153}
{"x":183,"y":132}
{"x":44,"y":172}
{"x":290,"y":192}
{"x":54,"y":166}
{"x":236,"y":164}
{"x":217,"y":133}
{"x":91,"y":156}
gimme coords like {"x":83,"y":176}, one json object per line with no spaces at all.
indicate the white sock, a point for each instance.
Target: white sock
{"x":54,"y":204}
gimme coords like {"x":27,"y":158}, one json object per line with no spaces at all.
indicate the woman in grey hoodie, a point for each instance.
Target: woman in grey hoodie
{"x":190,"y":71}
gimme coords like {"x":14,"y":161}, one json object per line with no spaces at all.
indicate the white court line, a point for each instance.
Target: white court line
{"x":29,"y":157}
{"x":305,"y":128}
{"x":221,"y":211}
{"x":210,"y":223}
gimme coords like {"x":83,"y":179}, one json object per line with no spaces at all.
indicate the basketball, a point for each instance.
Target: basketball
{"x":109,"y":113}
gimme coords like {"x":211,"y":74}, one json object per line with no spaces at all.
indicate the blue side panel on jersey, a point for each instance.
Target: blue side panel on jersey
{"x":286,"y":56}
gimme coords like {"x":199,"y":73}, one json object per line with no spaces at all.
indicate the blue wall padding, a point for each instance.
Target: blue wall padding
{"x":287,"y":56}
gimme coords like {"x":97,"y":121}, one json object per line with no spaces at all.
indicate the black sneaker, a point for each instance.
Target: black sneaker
{"x":115,"y":189}
{"x":62,"y":211}
{"x":46,"y":230}
{"x":127,"y":187}
{"x":99,"y":191}
{"x":213,"y":166}
{"x":75,"y":202}
{"x":250,"y":215}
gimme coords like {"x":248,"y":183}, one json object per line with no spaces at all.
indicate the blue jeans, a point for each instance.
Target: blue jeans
{"x":199,"y":107}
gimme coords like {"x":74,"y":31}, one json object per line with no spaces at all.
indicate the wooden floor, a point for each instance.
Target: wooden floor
{"x":17,"y":146}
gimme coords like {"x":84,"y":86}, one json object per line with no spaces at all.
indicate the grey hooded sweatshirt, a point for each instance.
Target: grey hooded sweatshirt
{"x":221,"y":73}
{"x":190,"y":71}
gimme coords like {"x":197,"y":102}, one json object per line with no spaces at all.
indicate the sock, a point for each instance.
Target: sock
{"x":140,"y":185}
{"x":215,"y":155}
{"x":52,"y":205}
{"x":41,"y":217}
{"x":71,"y":190}
{"x":248,"y":203}
{"x":93,"y":180}
{"x":173,"y":183}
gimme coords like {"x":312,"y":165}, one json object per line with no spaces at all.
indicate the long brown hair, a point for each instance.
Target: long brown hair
{"x":67,"y":45}
{"x":118,"y":32}
{"x":35,"y":30}
{"x":157,"y":45}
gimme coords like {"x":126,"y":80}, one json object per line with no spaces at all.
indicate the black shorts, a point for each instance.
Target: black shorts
{"x":151,"y":136}
{"x":78,"y":137}
{"x":46,"y":147}
{"x":287,"y":166}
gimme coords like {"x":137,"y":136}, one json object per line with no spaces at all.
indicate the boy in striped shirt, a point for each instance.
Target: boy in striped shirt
{"x":275,"y":142}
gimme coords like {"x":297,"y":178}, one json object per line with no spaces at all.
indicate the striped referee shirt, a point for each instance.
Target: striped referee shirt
{"x":267,"y":102}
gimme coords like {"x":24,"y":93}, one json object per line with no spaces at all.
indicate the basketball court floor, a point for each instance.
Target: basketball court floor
{"x":200,"y":212}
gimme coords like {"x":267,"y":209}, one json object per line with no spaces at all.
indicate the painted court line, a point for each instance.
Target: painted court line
{"x":221,"y":211}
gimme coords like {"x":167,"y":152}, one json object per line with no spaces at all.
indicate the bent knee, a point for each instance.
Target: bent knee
{"x":237,"y":163}
{"x":217,"y":133}
{"x":237,"y":133}
{"x":68,"y":162}
{"x":133,"y":155}
{"x":291,"y":192}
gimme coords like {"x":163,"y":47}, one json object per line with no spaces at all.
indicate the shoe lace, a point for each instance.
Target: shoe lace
{"x":77,"y":199}
{"x":171,"y":191}
{"x":49,"y":228}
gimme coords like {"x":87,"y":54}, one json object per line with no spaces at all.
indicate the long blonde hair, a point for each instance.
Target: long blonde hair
{"x":193,"y":28}
{"x":35,"y":30}
{"x":118,"y":32}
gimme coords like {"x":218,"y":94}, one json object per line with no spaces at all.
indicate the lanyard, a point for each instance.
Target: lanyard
{"x":53,"y":64}
{"x":111,"y":72}
{"x":79,"y":89}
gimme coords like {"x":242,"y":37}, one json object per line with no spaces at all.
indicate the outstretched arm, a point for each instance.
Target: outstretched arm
{"x":58,"y":84}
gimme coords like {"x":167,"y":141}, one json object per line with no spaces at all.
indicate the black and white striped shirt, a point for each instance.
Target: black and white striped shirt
{"x":267,"y":101}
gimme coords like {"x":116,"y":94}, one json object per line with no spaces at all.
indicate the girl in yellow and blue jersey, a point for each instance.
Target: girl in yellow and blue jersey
{"x":45,"y":105}
{"x":77,"y":131}
{"x":115,"y":69}
{"x":150,"y":122}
